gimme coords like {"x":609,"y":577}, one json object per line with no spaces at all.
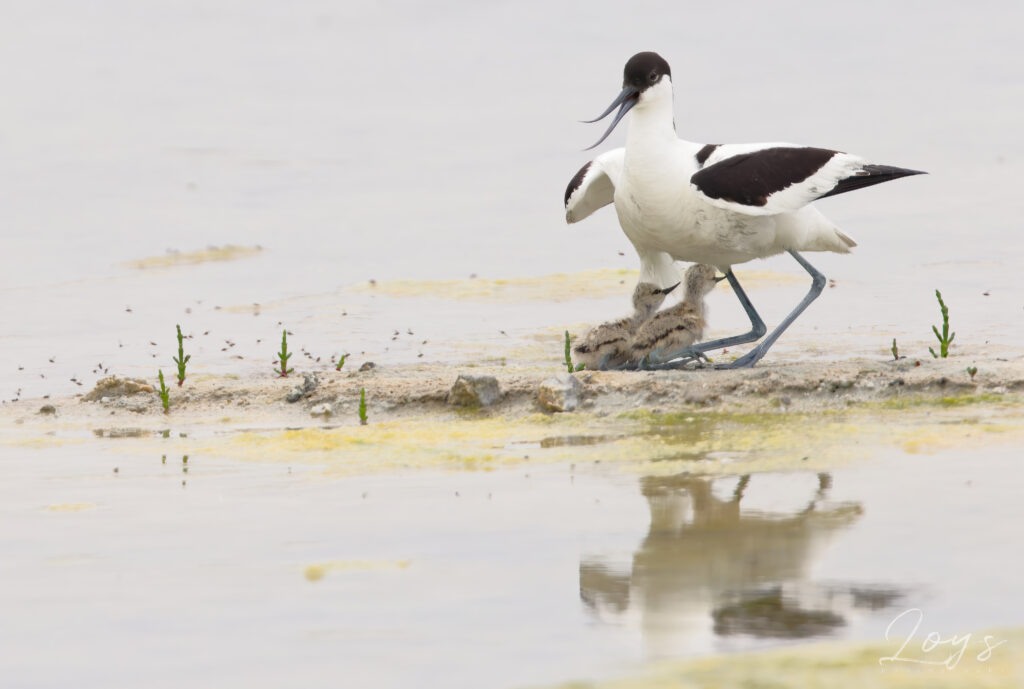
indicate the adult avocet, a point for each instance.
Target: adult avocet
{"x":714,"y":204}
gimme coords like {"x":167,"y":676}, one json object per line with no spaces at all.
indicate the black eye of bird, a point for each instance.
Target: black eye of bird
{"x":653,"y":77}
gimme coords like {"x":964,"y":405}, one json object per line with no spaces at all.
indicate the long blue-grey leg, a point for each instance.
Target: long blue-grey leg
{"x":757,"y":331}
{"x":755,"y":354}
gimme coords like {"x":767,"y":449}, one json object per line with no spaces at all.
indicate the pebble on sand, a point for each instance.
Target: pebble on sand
{"x":474,"y":391}
{"x":559,"y":393}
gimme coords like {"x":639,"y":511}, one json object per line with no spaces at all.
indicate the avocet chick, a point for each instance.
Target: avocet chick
{"x":609,"y":342}
{"x":670,"y":333}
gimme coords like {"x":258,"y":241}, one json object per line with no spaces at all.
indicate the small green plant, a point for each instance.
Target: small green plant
{"x":362,"y":406}
{"x":972,"y":371}
{"x":165,"y":394}
{"x":568,"y":356}
{"x":895,"y":350}
{"x":946,"y":338}
{"x":283,"y":356}
{"x":341,"y":362}
{"x":181,"y":359}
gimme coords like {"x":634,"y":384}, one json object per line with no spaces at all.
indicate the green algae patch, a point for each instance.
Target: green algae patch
{"x":844,"y":666}
{"x":730,"y":443}
{"x":949,"y":402}
{"x":552,"y":287}
{"x":724,"y":443}
{"x":172,"y":259}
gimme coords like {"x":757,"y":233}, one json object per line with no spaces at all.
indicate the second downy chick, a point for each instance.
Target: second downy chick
{"x":608,"y":343}
{"x":669,"y":333}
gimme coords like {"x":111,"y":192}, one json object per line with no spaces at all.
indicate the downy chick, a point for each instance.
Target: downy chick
{"x":669,"y":333}
{"x":609,"y":342}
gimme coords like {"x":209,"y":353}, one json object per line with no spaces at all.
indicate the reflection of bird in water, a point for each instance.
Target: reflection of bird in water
{"x":702,"y":552}
{"x":674,"y":329}
{"x":609,"y":342}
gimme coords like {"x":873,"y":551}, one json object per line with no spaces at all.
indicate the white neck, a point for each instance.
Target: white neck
{"x":652,"y":118}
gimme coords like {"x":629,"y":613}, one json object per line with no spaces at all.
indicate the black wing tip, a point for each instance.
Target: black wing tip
{"x":576,"y":181}
{"x":891,"y":172}
{"x":871,"y":175}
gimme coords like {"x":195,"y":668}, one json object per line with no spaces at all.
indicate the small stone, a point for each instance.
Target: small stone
{"x":112,"y":386}
{"x":474,"y":391}
{"x":310,"y":382}
{"x":559,"y":393}
{"x":47,"y":409}
{"x":367,"y":366}
{"x":324,"y":410}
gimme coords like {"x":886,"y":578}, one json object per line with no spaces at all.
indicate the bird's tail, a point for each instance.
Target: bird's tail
{"x":809,"y":230}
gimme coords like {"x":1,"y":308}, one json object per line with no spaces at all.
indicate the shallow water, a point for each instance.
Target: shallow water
{"x":387,"y":141}
{"x":216,"y":571}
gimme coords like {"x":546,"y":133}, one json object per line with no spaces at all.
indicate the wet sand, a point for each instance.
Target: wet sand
{"x":422,"y":390}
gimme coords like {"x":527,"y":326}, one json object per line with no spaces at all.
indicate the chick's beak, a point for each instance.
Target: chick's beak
{"x":669,"y":289}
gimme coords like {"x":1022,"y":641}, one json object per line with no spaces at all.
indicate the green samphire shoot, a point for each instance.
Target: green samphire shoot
{"x":568,"y":356}
{"x":165,"y":394}
{"x":181,"y":359}
{"x":283,"y":356}
{"x":946,"y":338}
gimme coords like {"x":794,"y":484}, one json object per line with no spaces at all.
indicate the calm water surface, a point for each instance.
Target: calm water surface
{"x":503,"y":579}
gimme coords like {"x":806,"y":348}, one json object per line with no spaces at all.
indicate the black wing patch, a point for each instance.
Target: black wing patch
{"x":869,"y":175}
{"x":750,"y":178}
{"x":576,"y":181}
{"x":705,"y":153}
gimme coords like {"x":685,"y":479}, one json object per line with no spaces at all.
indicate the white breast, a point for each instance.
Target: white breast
{"x":659,"y":210}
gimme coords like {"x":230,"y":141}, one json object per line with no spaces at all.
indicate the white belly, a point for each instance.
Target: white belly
{"x":660,"y":213}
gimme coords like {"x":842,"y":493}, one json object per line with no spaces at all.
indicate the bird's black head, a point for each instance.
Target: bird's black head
{"x":644,"y":70}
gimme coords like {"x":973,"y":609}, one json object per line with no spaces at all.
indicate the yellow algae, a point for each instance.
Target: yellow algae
{"x":932,"y":439}
{"x":318,"y":571}
{"x":39,"y":442}
{"x":71,"y":507}
{"x":476,"y":444}
{"x":171,"y":259}
{"x":843,"y":666}
{"x":778,"y":441}
{"x":640,"y":441}
{"x":552,"y":287}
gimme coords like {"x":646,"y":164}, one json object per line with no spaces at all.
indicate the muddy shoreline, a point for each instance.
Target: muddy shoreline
{"x":423,"y":390}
